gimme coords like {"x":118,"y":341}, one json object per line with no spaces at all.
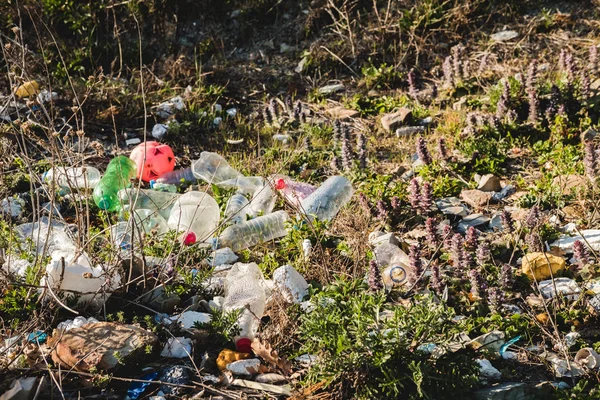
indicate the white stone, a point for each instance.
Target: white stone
{"x":187,"y":319}
{"x":592,"y":239}
{"x":131,"y":142}
{"x":290,"y":283}
{"x":331,"y":88}
{"x":159,"y":131}
{"x":224,"y":256}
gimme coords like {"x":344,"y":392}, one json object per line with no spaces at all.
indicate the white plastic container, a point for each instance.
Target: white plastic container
{"x":73,"y":177}
{"x":195,"y":213}
{"x":261,"y":229}
{"x":328,"y":199}
{"x":244,"y":291}
{"x":237,"y":208}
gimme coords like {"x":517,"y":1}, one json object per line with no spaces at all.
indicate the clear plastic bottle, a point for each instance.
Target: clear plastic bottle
{"x":260,"y":229}
{"x":237,"y":208}
{"x":149,"y":221}
{"x":73,"y":177}
{"x":195,"y":213}
{"x":118,"y":176}
{"x":395,"y":264}
{"x":135,"y":199}
{"x":244,"y":184}
{"x":244,"y":290}
{"x":263,"y":201}
{"x":328,"y":199}
{"x":210,"y":167}
{"x":293,"y":191}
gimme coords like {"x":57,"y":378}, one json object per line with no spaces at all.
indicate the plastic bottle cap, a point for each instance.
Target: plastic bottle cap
{"x":104,"y":203}
{"x":280,"y":185}
{"x":189,"y":239}
{"x":244,"y":345}
{"x":152,"y":183}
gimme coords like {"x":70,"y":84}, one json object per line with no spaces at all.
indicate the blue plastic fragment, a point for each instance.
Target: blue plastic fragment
{"x":137,"y":388}
{"x":37,"y":337}
{"x":508,"y":344}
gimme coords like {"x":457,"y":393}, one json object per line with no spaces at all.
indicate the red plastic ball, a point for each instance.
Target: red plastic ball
{"x":159,"y":159}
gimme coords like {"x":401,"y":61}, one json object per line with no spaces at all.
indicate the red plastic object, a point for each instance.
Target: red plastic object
{"x":159,"y":160}
{"x":189,"y":239}
{"x":244,"y":345}
{"x":280,"y":185}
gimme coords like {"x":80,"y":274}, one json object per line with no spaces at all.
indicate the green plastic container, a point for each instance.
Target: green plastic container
{"x":118,"y":176}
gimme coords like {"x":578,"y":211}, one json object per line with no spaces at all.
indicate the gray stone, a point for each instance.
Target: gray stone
{"x":589,"y":135}
{"x":504,"y":193}
{"x":377,"y":238}
{"x":452,"y":206}
{"x":505,"y":391}
{"x":592,"y":239}
{"x":489,"y":183}
{"x":392,"y":121}
{"x":474,"y":220}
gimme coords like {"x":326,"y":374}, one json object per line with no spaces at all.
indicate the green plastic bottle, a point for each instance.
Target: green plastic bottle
{"x":118,"y":176}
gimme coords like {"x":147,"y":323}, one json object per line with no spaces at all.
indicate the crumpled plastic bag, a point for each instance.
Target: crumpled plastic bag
{"x":564,"y":286}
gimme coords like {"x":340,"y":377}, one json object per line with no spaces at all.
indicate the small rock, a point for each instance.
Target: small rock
{"x":131,"y":142}
{"x":489,"y":183}
{"x":488,"y":371}
{"x":452,"y":206}
{"x":540,"y":266}
{"x":570,"y":183}
{"x":476,"y":198}
{"x":248,"y":367}
{"x":503,"y":36}
{"x":329,"y":89}
{"x":341,"y":113}
{"x":306,"y":360}
{"x":290,"y":283}
{"x":590,"y":237}
{"x":286,"y":48}
{"x":300,"y":67}
{"x":223,"y":256}
{"x":504,"y":193}
{"x":95,"y":345}
{"x":474,"y":220}
{"x":392,"y":121}
{"x":409,"y":130}
{"x":168,"y":108}
{"x":159,"y":131}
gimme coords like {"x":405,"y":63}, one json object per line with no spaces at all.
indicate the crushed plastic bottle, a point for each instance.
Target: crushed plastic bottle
{"x":293,"y":191}
{"x":328,"y":199}
{"x":135,"y":199}
{"x":195,"y":213}
{"x":395,"y":264}
{"x":237,"y":208}
{"x":73,"y":177}
{"x":244,"y":291}
{"x":149,"y":221}
{"x":117,"y":176}
{"x":263,"y":201}
{"x":247,"y":234}
{"x":163,"y":187}
{"x":210,"y":167}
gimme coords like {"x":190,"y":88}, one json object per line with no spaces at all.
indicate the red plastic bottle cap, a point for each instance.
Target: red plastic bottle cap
{"x":280,"y":184}
{"x":244,"y":345}
{"x":189,"y":239}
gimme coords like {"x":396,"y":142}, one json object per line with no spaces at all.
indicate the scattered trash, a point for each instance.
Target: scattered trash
{"x":73,"y":177}
{"x":173,"y":379}
{"x":159,"y":131}
{"x":227,"y":357}
{"x":170,"y":107}
{"x":563,"y":368}
{"x":491,"y":341}
{"x":258,"y":230}
{"x":12,"y":206}
{"x":223,"y":256}
{"x":21,"y":389}
{"x":117,"y":176}
{"x":329,"y":89}
{"x":37,"y":337}
{"x":591,"y":238}
{"x":244,"y":291}
{"x":564,"y":286}
{"x":488,"y":371}
{"x":152,"y":160}
{"x":571,"y":338}
{"x":290,"y":283}
{"x":237,"y":209}
{"x":539,"y":266}
{"x":196,"y":214}
{"x":177,"y":347}
{"x":325,"y":202}
{"x":588,"y":358}
{"x":137,"y":388}
{"x":247,"y":367}
{"x":28,"y":89}
{"x":271,"y":378}
{"x":188,"y":319}
{"x":46,"y":97}
{"x":306,"y":248}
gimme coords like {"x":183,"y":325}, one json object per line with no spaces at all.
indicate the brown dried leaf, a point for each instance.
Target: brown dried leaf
{"x":266,"y":352}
